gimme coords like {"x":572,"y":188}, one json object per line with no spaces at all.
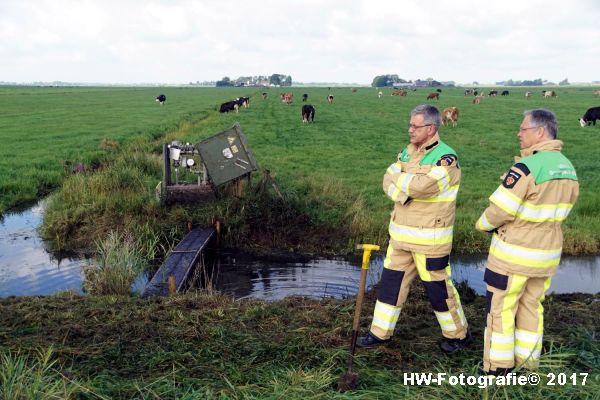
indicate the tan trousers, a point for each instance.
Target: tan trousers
{"x":399,"y":269}
{"x":515,"y":320}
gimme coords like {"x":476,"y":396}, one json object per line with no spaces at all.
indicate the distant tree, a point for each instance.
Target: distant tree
{"x":287,"y":81}
{"x":224,"y":82}
{"x":564,"y":82}
{"x":379,"y":81}
{"x":275,"y":79}
{"x":387,"y":80}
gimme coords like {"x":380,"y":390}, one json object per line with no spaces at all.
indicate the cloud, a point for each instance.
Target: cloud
{"x":183,"y":40}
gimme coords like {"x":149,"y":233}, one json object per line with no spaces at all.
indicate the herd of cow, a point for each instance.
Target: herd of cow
{"x":235,"y":105}
{"x":449,"y":114}
{"x":308,"y":111}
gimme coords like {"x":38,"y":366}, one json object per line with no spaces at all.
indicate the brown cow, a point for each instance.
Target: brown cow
{"x":433,"y":95}
{"x":450,"y":114}
{"x":287,"y":98}
{"x":596,"y":92}
{"x":477,"y":99}
{"x":550,"y":93}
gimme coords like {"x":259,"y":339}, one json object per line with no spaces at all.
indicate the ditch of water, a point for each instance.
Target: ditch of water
{"x":27,"y":268}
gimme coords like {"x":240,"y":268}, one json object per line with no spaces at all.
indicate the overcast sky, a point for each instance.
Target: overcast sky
{"x":178,"y":41}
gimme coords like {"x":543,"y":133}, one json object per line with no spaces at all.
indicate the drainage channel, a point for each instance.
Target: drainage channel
{"x":28,"y":269}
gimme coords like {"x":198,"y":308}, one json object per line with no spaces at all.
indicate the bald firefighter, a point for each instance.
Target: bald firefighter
{"x":525,"y":216}
{"x":423,"y":185}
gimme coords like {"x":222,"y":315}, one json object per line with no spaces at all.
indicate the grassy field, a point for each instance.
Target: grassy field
{"x":42,"y":127}
{"x":199,"y":346}
{"x":330,"y":170}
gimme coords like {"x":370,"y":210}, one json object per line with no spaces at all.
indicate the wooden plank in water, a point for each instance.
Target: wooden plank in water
{"x":179,"y":263}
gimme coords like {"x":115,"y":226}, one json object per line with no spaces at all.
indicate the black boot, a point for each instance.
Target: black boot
{"x":452,"y":345}
{"x":497,"y":372}
{"x":370,"y":341}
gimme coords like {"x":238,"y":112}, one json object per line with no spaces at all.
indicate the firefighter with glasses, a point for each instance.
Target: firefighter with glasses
{"x":524,"y":216}
{"x":423,"y":184}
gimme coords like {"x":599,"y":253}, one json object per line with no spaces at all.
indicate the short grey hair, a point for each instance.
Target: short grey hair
{"x":545,"y":118}
{"x":431,"y":115}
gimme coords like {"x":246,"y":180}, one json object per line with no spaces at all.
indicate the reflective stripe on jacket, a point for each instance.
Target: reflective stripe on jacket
{"x":527,"y":209}
{"x":423,"y":184}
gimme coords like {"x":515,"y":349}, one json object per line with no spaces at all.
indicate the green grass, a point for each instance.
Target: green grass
{"x":42,"y":127}
{"x":33,"y":377}
{"x":330,"y":171}
{"x":119,"y":262}
{"x":198,"y":346}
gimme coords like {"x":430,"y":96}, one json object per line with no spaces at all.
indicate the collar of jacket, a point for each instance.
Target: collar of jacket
{"x":425,"y":147}
{"x":548,"y":145}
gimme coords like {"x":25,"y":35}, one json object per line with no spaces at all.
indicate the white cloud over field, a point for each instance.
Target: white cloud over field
{"x":177,"y":41}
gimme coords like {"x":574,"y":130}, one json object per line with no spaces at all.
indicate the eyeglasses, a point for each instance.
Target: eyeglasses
{"x":524,"y":129}
{"x":411,"y":126}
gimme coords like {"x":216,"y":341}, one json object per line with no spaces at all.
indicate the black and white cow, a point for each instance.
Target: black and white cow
{"x":243,"y":101}
{"x":308,"y":113}
{"x":590,"y":116}
{"x":161,"y":98}
{"x":229,"y":106}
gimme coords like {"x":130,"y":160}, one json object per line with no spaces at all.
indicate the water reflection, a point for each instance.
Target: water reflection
{"x":271,"y":278}
{"x":574,"y":274}
{"x":26,"y":267}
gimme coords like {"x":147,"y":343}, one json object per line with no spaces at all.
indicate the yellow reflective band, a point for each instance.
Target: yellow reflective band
{"x":393,"y":192}
{"x":440,"y":174}
{"x":502,"y":355}
{"x":384,"y":324}
{"x":385,"y":316}
{"x":421,"y":263}
{"x":506,"y":200}
{"x":516,"y":284}
{"x":527,"y":336}
{"x":446,"y":196}
{"x":483,"y":224}
{"x":404,"y":182}
{"x":425,"y":236}
{"x":388,"y":257}
{"x":523,"y":352}
{"x":446,"y":321}
{"x":544,"y":212}
{"x":502,"y":346}
{"x":527,"y":257}
{"x":386,"y":310}
{"x":394,"y":168}
{"x":502,"y":339}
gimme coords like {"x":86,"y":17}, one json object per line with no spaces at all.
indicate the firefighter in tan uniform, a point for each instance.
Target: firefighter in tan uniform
{"x":525,"y":216}
{"x":423,"y":185}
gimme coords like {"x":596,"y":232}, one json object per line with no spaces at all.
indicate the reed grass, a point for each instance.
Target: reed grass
{"x":119,"y":261}
{"x":33,"y":376}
